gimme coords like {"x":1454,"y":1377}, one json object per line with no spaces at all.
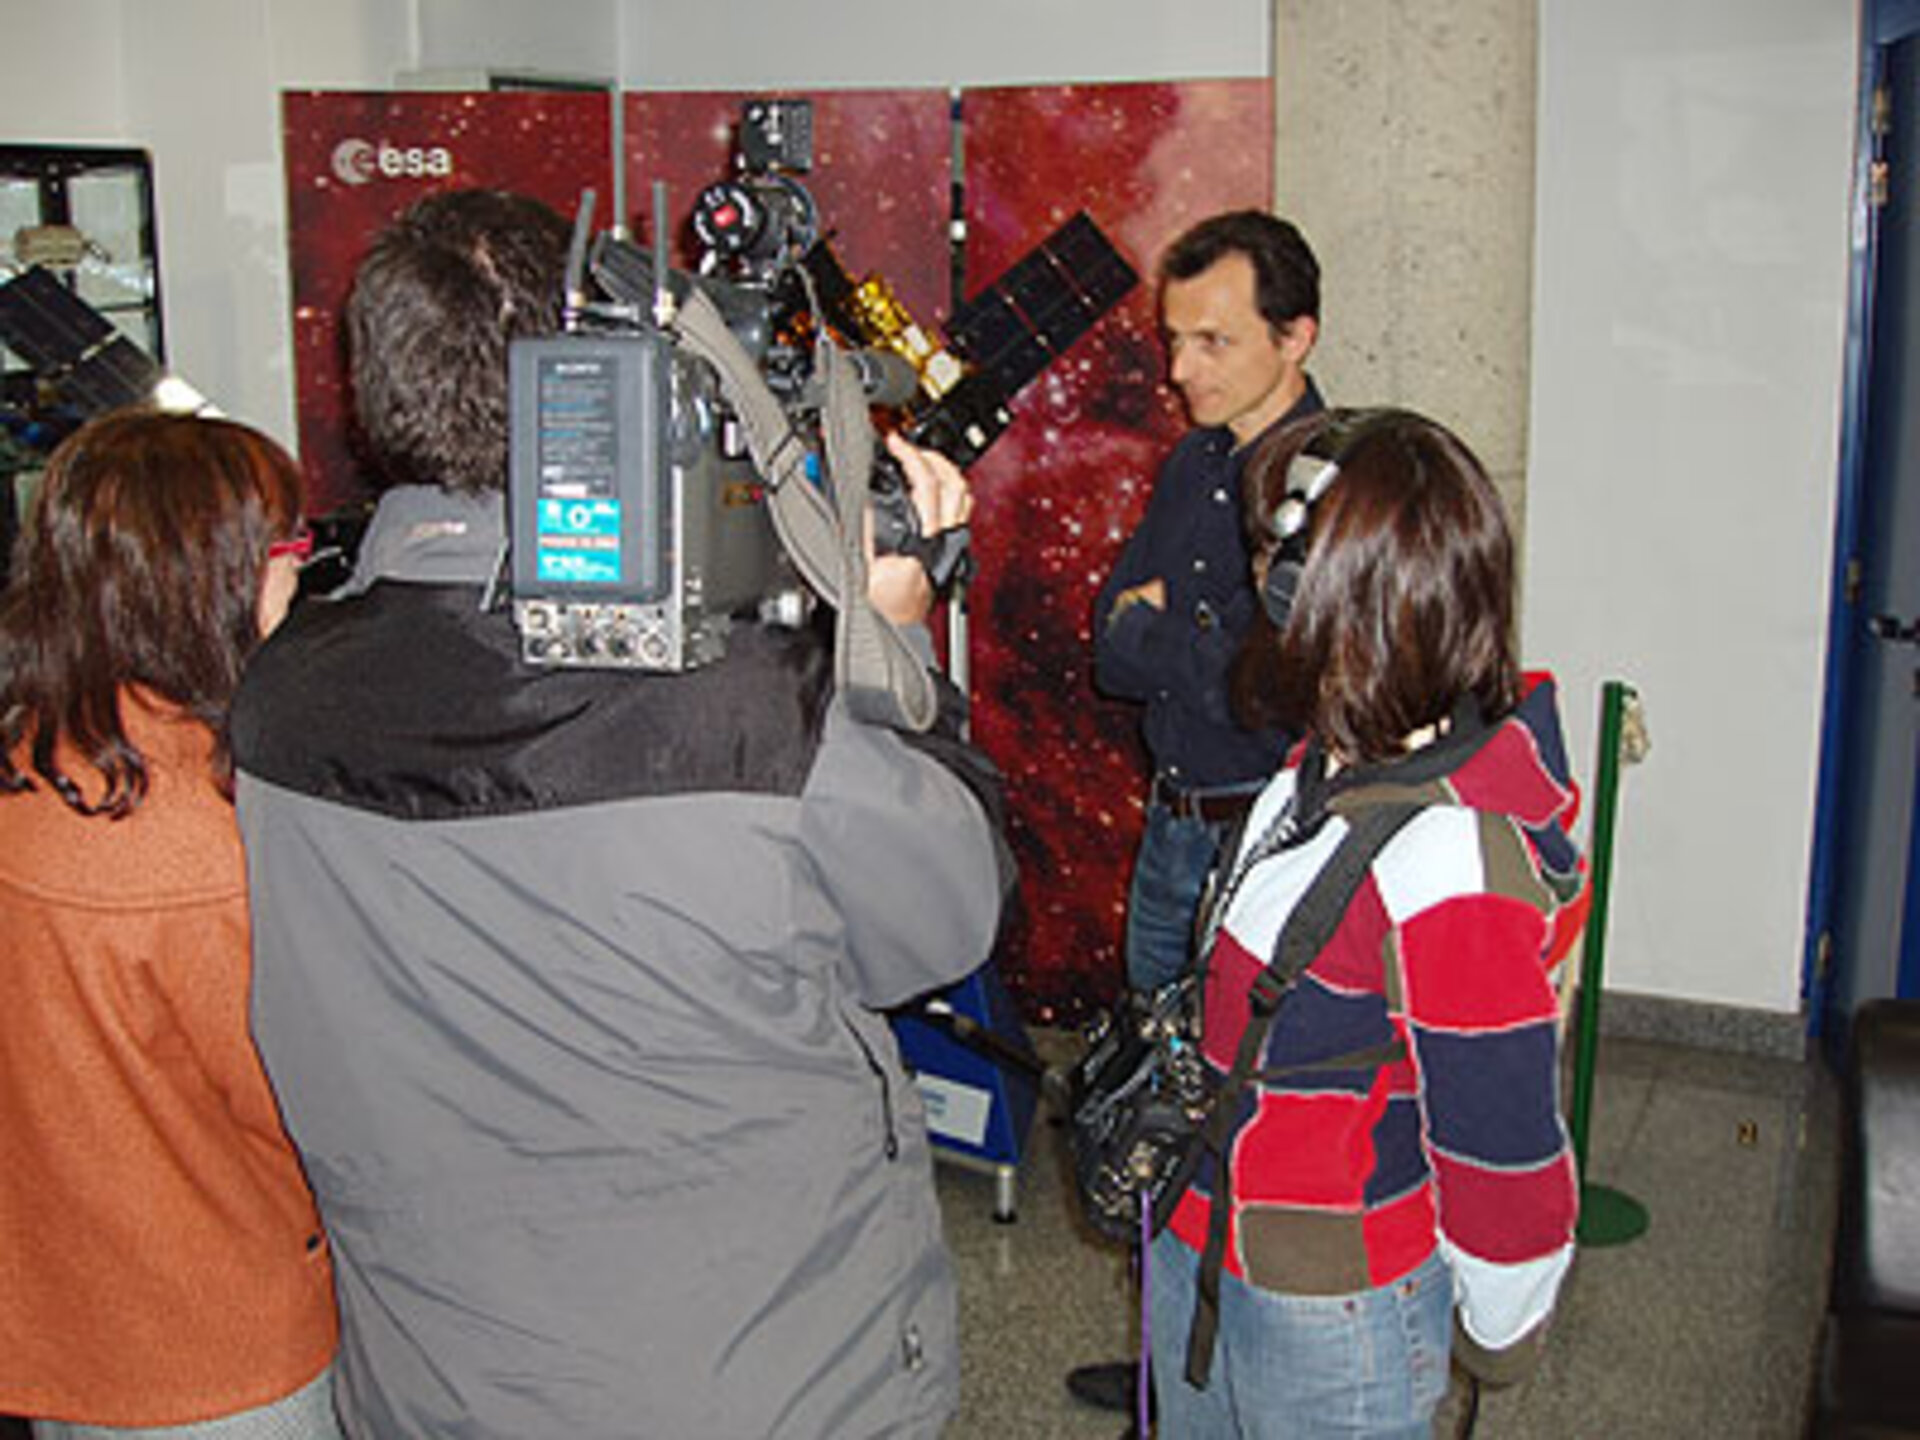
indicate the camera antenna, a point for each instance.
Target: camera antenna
{"x":617,"y":125}
{"x":576,"y":282}
{"x":663,"y":307}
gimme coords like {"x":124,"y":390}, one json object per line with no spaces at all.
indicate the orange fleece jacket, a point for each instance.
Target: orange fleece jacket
{"x":160,"y":1258}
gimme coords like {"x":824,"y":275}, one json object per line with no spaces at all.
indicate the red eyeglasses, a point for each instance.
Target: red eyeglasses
{"x":299,"y":545}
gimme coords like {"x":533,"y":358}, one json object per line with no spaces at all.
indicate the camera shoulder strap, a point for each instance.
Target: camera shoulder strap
{"x":1304,"y":936}
{"x":885,"y":682}
{"x":821,"y":526}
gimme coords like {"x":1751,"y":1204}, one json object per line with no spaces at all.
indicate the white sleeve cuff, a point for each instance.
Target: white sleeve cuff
{"x":1500,"y":1303}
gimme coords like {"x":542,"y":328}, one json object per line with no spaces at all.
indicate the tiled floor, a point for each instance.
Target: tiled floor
{"x":1702,"y":1327}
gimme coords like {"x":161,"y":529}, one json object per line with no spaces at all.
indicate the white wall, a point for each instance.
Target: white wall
{"x":777,"y":44}
{"x":696,"y":44}
{"x":1690,"y":270}
{"x":560,"y":37}
{"x":60,"y":73}
{"x":218,"y":176}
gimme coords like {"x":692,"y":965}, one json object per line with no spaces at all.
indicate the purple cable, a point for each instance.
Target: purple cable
{"x":1143,"y":1386}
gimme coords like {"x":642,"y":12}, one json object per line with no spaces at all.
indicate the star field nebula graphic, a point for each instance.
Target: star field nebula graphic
{"x":1057,"y":494}
{"x":1057,"y":497}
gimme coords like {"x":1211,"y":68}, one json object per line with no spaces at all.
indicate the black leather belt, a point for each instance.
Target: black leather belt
{"x":1214,"y":807}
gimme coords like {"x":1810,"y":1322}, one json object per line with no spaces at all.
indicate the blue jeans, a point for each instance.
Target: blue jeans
{"x":1301,"y":1367}
{"x":1169,"y":873}
{"x":306,"y":1414}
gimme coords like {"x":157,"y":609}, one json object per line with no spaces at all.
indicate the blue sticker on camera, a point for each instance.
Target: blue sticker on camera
{"x":579,"y":542}
{"x":600,"y":518}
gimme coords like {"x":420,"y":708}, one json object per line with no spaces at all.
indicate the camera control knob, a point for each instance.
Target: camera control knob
{"x":728,"y":218}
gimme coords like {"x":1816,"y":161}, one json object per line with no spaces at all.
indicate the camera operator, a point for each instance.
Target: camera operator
{"x":568,"y":979}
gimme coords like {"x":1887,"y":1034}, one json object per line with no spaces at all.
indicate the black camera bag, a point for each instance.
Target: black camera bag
{"x":1136,"y":1106}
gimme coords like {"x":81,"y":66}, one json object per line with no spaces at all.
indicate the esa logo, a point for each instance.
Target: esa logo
{"x":358,"y":161}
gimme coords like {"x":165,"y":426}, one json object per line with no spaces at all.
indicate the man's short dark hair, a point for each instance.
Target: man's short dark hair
{"x":1286,"y":277}
{"x":436,"y":300}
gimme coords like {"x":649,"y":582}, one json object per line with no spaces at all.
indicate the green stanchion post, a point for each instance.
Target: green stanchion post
{"x":1607,"y":1217}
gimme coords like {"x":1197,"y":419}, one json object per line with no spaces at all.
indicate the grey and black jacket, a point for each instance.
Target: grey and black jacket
{"x":568,"y":983}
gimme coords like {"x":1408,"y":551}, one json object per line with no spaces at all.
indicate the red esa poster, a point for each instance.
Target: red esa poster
{"x":356,"y":160}
{"x":1056,"y":495}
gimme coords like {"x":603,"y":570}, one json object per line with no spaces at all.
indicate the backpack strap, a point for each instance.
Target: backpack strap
{"x":1301,"y":939}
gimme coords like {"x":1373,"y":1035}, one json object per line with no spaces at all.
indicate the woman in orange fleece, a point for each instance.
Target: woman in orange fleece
{"x":161,"y":1265}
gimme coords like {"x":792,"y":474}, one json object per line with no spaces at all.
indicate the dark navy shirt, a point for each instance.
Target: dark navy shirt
{"x":1176,"y":660}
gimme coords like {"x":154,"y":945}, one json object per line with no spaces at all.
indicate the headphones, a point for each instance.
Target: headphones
{"x":1309,"y":475}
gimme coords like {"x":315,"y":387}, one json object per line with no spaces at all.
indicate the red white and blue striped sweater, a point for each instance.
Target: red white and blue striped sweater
{"x":1344,"y":1180}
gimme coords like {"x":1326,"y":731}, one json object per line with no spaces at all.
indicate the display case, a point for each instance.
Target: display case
{"x":86,"y":213}
{"x":83,"y":214}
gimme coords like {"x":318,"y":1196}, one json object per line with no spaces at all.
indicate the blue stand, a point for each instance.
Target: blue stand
{"x":978,"y":1109}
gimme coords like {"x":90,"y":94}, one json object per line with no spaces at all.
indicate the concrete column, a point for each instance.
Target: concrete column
{"x":1405,"y":153}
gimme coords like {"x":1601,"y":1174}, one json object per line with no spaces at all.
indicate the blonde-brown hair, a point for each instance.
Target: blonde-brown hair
{"x":140,"y":564}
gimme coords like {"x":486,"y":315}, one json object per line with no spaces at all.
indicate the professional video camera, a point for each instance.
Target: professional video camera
{"x":698,"y":444}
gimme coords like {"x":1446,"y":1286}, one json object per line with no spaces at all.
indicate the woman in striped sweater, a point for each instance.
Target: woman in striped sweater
{"x":1399,"y":1183}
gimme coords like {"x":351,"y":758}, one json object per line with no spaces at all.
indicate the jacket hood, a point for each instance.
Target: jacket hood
{"x":1516,"y":767}
{"x":428,"y":535}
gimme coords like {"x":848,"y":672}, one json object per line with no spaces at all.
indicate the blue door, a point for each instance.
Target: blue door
{"x":1866,"y":902}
